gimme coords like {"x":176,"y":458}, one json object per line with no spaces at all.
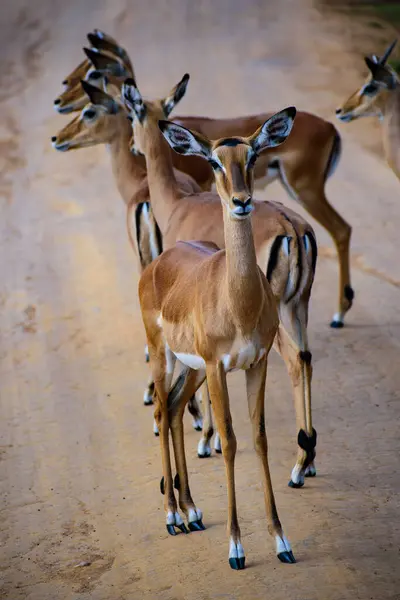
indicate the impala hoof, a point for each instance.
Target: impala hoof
{"x":196,"y":525}
{"x":287,"y":557}
{"x":204,"y":455}
{"x":337,"y":324}
{"x":237,"y":563}
{"x":182,"y":528}
{"x":292,"y":484}
{"x":311,"y":471}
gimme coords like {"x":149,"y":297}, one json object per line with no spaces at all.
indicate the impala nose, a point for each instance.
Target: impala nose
{"x":338,"y":111}
{"x":65,"y":82}
{"x":243,"y":207}
{"x":54,"y":138}
{"x":57,"y":101}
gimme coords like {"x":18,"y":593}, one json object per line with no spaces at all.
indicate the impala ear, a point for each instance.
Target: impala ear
{"x":102,"y":62}
{"x":102,"y":41}
{"x":184,"y":141}
{"x":175,"y":95}
{"x":380,"y":73}
{"x":100,"y":98}
{"x":133,"y":100}
{"x":274,"y":131}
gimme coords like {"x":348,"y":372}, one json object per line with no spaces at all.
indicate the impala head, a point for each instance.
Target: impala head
{"x":232,"y":159}
{"x":368,"y":99}
{"x":96,"y":124}
{"x":101,"y":66}
{"x":142,"y":112}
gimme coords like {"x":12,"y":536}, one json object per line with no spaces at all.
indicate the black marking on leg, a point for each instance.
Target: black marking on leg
{"x":177,"y":482}
{"x":194,"y":411}
{"x":174,"y":394}
{"x":305,"y":356}
{"x":349,"y":294}
{"x":287,"y":557}
{"x":307,"y":443}
{"x":159,"y":237}
{"x":196,"y":525}
{"x":237,"y":564}
{"x":162,"y":485}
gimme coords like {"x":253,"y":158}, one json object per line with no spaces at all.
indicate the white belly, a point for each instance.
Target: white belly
{"x":191,"y":360}
{"x":246,"y":357}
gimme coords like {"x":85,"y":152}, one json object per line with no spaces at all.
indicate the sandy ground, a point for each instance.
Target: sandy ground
{"x":79,"y":465}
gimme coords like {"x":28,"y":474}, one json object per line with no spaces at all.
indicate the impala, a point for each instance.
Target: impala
{"x":213,"y":310}
{"x":379,"y":96}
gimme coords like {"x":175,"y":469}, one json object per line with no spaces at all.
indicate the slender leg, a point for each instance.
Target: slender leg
{"x":255,"y":384}
{"x":216,"y":380}
{"x":159,"y":362}
{"x":316,"y":203}
{"x":299,"y":320}
{"x":185,"y":386}
{"x":204,"y":446}
{"x":298,"y":364}
{"x":195,"y":411}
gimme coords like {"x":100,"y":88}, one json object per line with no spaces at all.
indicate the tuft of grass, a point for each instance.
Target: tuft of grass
{"x":395,"y":64}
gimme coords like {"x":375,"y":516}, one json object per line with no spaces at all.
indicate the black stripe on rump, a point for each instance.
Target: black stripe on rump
{"x":273,"y":256}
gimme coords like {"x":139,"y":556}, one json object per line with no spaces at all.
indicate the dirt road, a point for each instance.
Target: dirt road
{"x":79,"y":465}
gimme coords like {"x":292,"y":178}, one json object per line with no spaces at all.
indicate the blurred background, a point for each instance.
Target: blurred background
{"x":81,"y":514}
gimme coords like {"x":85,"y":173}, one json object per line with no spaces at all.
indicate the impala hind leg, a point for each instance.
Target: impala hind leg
{"x":255,"y":385}
{"x":316,"y":203}
{"x":298,"y":364}
{"x":216,"y":380}
{"x":299,"y":320}
{"x":184,"y":388}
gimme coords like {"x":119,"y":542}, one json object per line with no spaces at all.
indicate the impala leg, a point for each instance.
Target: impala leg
{"x":316,"y":203}
{"x":184,"y":388}
{"x":162,"y":379}
{"x":195,"y":411}
{"x":255,"y":384}
{"x":204,"y":446}
{"x":216,"y":380}
{"x":298,"y":364}
{"x":299,"y":320}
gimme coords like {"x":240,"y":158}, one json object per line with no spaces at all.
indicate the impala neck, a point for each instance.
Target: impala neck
{"x":244,"y":286}
{"x":163,"y":187}
{"x":391,"y":128}
{"x":129,"y":171}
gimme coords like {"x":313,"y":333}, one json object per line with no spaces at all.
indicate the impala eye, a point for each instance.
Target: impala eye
{"x":214,"y":164}
{"x":89,"y":114}
{"x":370,"y":89}
{"x":95,"y":75}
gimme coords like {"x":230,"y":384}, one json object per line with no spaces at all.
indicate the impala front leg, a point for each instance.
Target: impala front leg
{"x":216,"y":380}
{"x":255,"y":384}
{"x":184,"y":388}
{"x":162,"y":380}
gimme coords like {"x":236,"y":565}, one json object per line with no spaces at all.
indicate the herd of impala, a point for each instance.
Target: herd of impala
{"x":223,"y":277}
